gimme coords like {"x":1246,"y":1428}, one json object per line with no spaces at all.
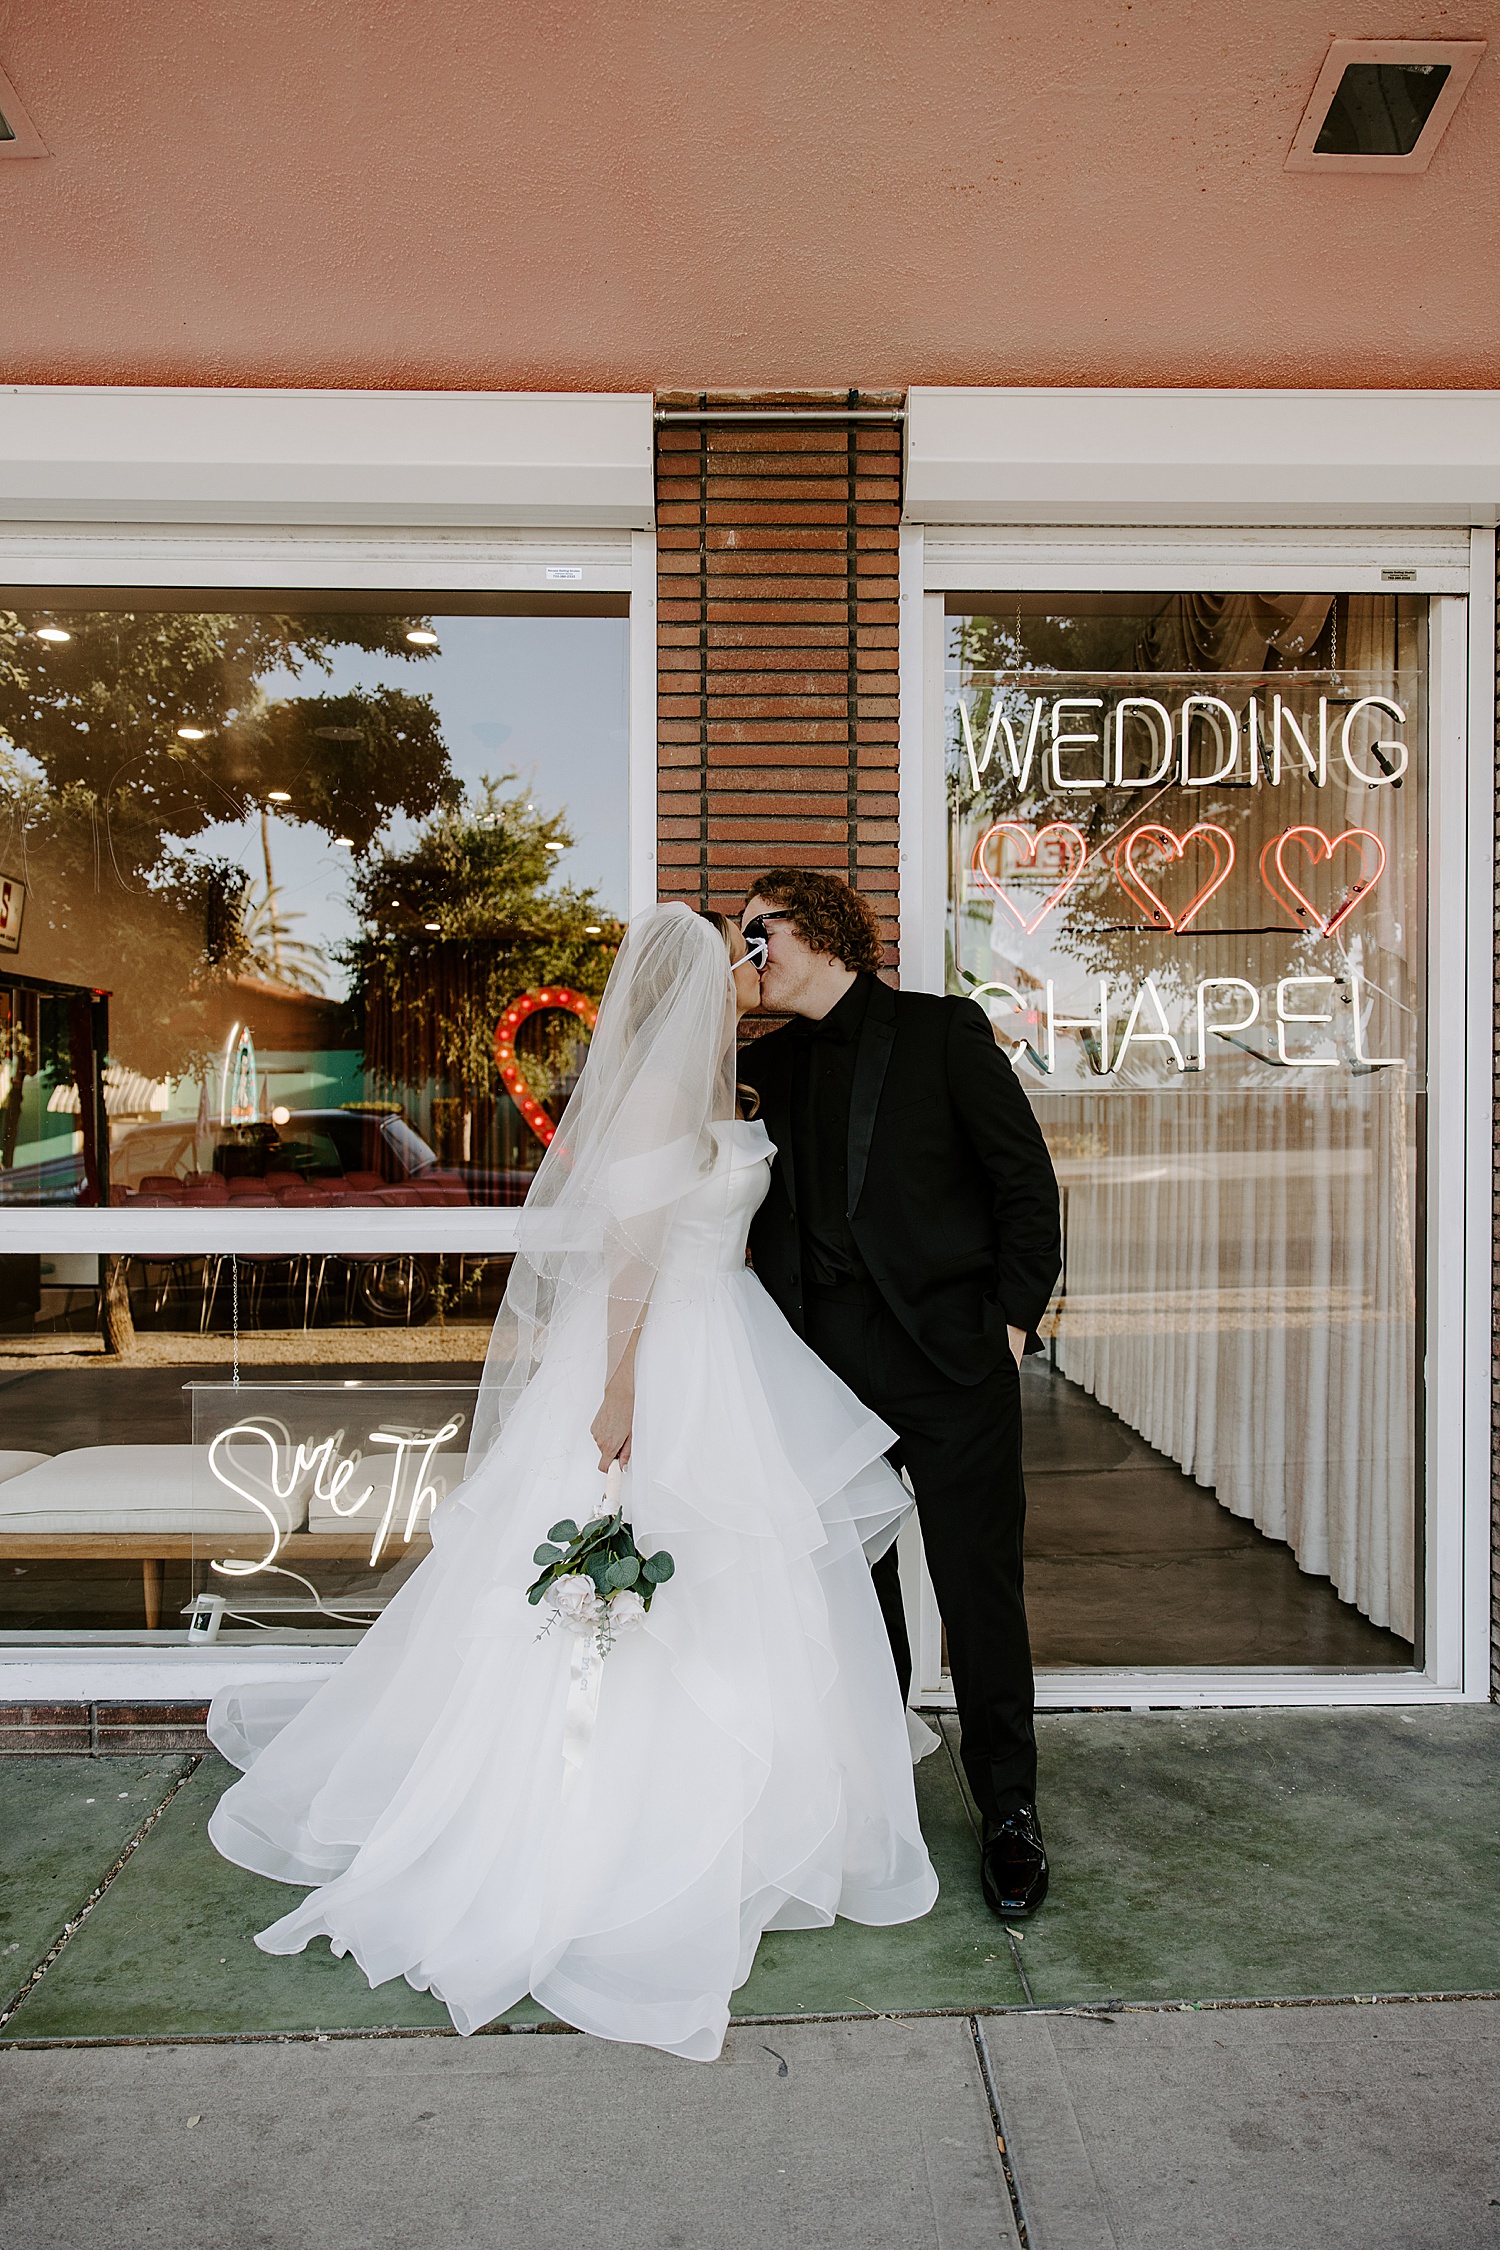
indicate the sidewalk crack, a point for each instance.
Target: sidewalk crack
{"x":71,"y":1928}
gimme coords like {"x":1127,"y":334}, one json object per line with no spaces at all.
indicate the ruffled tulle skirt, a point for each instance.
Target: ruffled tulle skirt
{"x":479,"y":1823}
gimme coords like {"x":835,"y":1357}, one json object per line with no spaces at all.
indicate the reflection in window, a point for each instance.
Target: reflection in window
{"x":1187,"y":880}
{"x":269,"y":880}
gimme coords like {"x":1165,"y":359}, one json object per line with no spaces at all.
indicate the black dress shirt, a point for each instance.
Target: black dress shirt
{"x":822,"y":1086}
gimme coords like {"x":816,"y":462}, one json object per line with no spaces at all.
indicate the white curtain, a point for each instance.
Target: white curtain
{"x":1239,"y":1290}
{"x":1240,"y":1282}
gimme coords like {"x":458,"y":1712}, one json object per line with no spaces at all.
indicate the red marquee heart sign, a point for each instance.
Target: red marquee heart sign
{"x":1318,"y":846}
{"x":507,"y":1061}
{"x":1028,"y":842}
{"x":1219,"y":842}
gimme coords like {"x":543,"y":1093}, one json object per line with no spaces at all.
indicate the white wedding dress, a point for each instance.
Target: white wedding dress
{"x":479,"y":1824}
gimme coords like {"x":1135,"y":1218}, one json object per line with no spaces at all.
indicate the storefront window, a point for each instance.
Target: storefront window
{"x":304,"y":900}
{"x":1187,"y":880}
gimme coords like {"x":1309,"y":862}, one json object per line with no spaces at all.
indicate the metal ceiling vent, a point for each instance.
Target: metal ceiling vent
{"x":18,"y":136}
{"x":1382,"y":105}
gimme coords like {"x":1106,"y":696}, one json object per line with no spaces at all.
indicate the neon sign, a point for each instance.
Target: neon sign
{"x":240,"y":1098}
{"x":1268,"y":744}
{"x":1220,"y":843}
{"x":332,"y":1474}
{"x":1032,"y":841}
{"x":1278,"y":882}
{"x":507,"y":1062}
{"x":1273,"y":869}
{"x":1146,"y":1024}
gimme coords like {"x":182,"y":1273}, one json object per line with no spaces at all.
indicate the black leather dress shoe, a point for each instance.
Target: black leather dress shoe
{"x":1013,"y":1864}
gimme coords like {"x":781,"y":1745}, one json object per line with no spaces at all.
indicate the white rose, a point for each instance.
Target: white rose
{"x":576,"y":1601}
{"x":625,"y":1609}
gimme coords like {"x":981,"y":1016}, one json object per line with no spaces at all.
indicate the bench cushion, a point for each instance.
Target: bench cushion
{"x":150,"y":1488}
{"x":16,"y":1464}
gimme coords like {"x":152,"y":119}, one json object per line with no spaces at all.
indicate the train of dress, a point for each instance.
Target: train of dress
{"x":747,"y":1765}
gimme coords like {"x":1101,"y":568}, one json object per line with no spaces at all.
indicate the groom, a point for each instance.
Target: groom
{"x":910,"y":1234}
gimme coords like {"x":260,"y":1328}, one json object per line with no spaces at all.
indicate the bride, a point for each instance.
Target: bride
{"x":489,"y":1804}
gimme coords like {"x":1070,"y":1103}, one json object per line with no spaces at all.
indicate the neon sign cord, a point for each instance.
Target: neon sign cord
{"x":234,"y":1293}
{"x":278,"y":1570}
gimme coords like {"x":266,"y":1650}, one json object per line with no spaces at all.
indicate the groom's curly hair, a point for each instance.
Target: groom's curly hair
{"x":826,"y":914}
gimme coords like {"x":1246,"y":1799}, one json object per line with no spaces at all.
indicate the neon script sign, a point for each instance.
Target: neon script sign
{"x":1134,"y":743}
{"x":332,"y":1474}
{"x":1059,"y":845}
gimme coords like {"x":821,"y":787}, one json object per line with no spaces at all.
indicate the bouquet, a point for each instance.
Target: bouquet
{"x":597,"y":1581}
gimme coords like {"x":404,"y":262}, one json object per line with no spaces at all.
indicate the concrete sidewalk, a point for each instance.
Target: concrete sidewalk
{"x":1298,"y":2128}
{"x":1170,"y":2053}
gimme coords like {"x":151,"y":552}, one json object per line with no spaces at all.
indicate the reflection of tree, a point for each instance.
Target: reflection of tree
{"x":429,"y":998}
{"x":101,"y":795}
{"x":272,"y":952}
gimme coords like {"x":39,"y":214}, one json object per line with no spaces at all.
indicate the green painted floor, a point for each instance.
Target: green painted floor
{"x":1201,"y":1855}
{"x":63,"y":1824}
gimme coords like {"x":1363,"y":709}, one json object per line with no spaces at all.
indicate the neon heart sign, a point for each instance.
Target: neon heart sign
{"x":1028,"y":841}
{"x":508,"y":1063}
{"x":1220,"y":843}
{"x":1318,"y":846}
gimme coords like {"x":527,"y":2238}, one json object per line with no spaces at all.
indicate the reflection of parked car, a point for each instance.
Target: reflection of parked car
{"x":352,"y":1156}
{"x":326,"y":1143}
{"x":147,"y":1149}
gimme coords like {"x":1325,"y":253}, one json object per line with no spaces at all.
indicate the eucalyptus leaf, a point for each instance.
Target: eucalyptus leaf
{"x":547,"y":1555}
{"x":625,"y":1572}
{"x":566,"y":1531}
{"x":659,"y":1567}
{"x":535,"y":1595}
{"x":598,"y":1567}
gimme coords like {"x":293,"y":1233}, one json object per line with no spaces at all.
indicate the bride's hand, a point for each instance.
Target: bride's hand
{"x":610,"y":1428}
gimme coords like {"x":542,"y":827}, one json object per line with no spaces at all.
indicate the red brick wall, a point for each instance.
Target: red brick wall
{"x":777,"y":650}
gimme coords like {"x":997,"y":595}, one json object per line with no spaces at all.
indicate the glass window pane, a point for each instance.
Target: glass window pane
{"x":271,"y":876}
{"x":114,"y":1519}
{"x":1187,"y":881}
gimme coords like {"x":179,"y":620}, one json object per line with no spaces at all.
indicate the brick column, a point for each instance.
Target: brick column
{"x":777,"y":649}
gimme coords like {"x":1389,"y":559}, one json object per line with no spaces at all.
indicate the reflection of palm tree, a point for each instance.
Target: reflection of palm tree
{"x":272,"y":952}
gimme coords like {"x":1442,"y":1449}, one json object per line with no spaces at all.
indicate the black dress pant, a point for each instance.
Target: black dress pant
{"x":960,"y":1444}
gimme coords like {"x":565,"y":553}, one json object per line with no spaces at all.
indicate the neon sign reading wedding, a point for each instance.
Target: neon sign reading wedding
{"x":1266,"y":745}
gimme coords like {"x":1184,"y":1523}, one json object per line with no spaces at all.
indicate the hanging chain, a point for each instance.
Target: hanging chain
{"x":234,"y":1294}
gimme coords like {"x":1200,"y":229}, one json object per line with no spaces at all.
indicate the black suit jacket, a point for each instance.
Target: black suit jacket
{"x":952,"y":1197}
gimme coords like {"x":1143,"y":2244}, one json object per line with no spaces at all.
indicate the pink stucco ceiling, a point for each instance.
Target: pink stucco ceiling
{"x":615,"y":194}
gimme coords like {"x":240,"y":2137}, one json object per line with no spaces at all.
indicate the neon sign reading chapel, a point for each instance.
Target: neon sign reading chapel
{"x":1144,"y":1022}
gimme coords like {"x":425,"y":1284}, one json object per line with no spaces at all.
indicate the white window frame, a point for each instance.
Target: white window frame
{"x":1456,"y":570}
{"x":406,"y":492}
{"x":509,"y":480}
